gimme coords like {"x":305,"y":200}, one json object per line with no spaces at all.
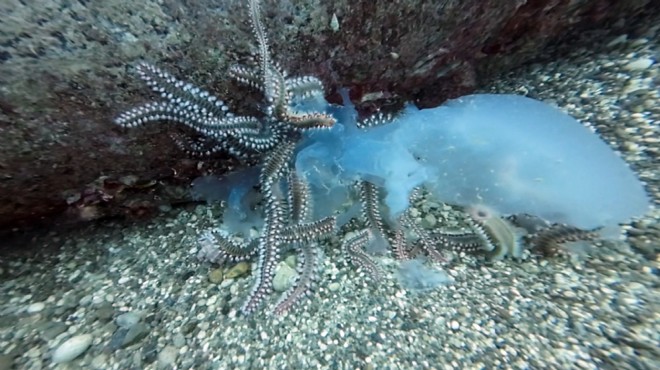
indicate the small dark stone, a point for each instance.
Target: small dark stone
{"x":375,"y":338}
{"x":4,"y":56}
{"x":53,"y":329}
{"x":135,"y":334}
{"x":7,"y":321}
{"x":408,"y":325}
{"x":116,"y":340}
{"x":105,"y":313}
{"x":189,"y":327}
{"x":225,"y":309}
{"x":150,"y":351}
{"x":187,"y":275}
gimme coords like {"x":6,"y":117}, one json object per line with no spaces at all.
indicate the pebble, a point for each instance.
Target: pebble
{"x":284,"y":277}
{"x":238,"y":270}
{"x":72,"y":348}
{"x":134,"y":334}
{"x":100,"y":362}
{"x":639,"y":64}
{"x":429,"y":221}
{"x":53,"y":329}
{"x":105,"y":313}
{"x":216,"y":276}
{"x":179,"y":340}
{"x":128,"y":319}
{"x":35,"y":307}
{"x":167,"y":357}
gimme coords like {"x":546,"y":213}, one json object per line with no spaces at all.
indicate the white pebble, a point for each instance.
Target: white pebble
{"x":72,"y":348}
{"x":35,"y":307}
{"x":639,"y":64}
{"x":284,"y":277}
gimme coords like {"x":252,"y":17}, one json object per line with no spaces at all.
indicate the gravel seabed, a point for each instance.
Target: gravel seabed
{"x":134,"y":296}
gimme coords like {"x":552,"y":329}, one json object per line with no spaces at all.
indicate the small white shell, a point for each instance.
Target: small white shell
{"x":334,"y":23}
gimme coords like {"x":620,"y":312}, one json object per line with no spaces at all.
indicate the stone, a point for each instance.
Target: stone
{"x":284,"y":277}
{"x":128,"y":319}
{"x":238,"y":270}
{"x":35,"y":307}
{"x":216,"y":276}
{"x":639,"y":64}
{"x":72,"y":348}
{"x":167,"y":357}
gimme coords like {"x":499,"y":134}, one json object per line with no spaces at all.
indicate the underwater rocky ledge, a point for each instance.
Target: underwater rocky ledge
{"x":66,"y":69}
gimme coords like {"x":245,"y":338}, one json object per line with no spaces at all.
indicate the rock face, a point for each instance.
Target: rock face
{"x":66,"y":71}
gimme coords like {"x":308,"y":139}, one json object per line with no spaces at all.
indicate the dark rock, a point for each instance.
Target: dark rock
{"x":105,"y":312}
{"x":150,"y":351}
{"x":116,"y":340}
{"x":124,"y":337}
{"x":53,"y":329}
{"x":135,"y":334}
